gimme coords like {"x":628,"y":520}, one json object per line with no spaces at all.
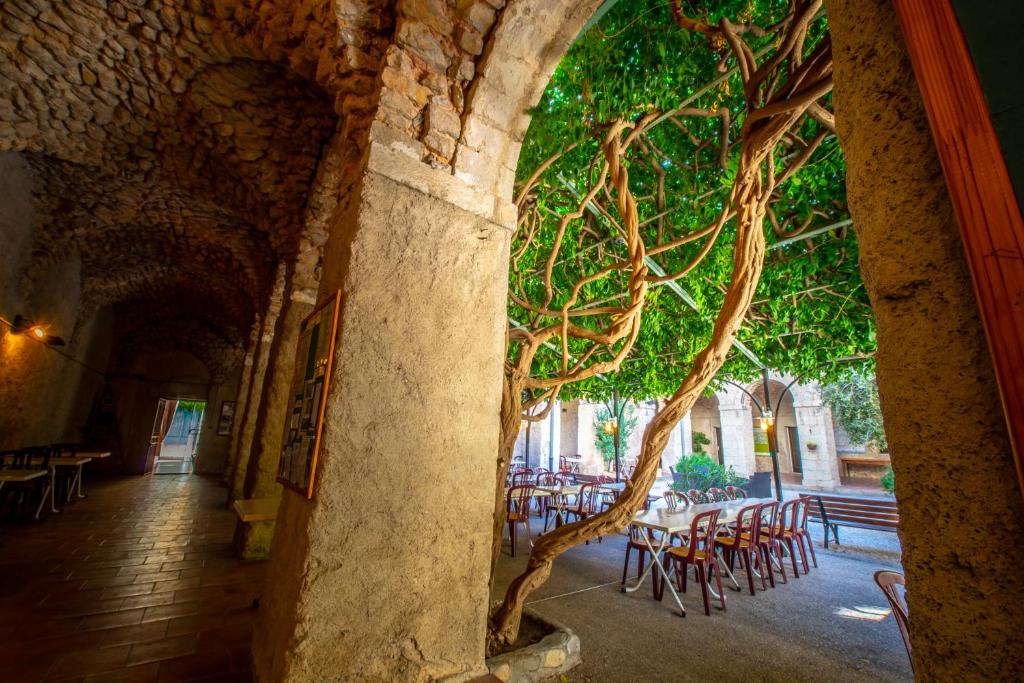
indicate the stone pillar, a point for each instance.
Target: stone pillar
{"x":685,"y":435}
{"x":593,"y":462}
{"x":814,"y":426}
{"x":961,"y":515}
{"x":241,"y":401}
{"x":737,"y":421}
{"x":255,"y":393}
{"x":261,"y":471}
{"x":383,"y":574}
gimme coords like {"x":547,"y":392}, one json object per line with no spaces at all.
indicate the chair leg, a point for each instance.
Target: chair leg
{"x":791,"y":546}
{"x":782,"y":565}
{"x":766,"y":565}
{"x":702,"y":577}
{"x":750,"y":568}
{"x":718,"y":582}
{"x":625,"y":566}
{"x":810,"y":547}
{"x":512,"y":536}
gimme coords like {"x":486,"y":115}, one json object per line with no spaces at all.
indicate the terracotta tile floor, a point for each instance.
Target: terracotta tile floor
{"x":135,"y":583}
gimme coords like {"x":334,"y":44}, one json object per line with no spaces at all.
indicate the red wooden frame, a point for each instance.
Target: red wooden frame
{"x":979,"y":184}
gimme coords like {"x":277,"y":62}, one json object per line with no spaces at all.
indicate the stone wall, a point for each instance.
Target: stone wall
{"x":960,"y":505}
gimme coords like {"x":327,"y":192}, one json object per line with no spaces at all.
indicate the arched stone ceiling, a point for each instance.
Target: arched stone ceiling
{"x":174,"y":143}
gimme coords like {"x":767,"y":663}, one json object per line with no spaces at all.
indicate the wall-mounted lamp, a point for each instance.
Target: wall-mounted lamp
{"x":23,"y":325}
{"x":609,"y":427}
{"x":767,"y":421}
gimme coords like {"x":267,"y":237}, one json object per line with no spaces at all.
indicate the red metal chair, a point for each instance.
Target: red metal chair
{"x":768,"y":543}
{"x":700,"y":552}
{"x":735,"y":492}
{"x":585,"y":507}
{"x":517,"y":511}
{"x":717,"y":495}
{"x":804,"y":535}
{"x":887,"y":581}
{"x":636,"y":542}
{"x":786,"y":532}
{"x":522,"y":476}
{"x":697,"y":496}
{"x":744,"y":544}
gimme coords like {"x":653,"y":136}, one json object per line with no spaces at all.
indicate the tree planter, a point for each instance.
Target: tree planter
{"x":555,"y":653}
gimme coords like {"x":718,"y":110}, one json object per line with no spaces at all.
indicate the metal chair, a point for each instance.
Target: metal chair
{"x":887,"y":581}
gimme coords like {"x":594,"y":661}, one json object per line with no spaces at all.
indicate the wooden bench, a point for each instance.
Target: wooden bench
{"x":256,"y":509}
{"x":832,"y":512}
{"x":848,"y":460}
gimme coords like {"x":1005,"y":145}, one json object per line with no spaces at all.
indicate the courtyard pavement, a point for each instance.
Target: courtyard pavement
{"x":831,"y":625}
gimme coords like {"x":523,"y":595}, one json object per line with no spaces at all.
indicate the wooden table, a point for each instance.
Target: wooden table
{"x":76,"y":482}
{"x":93,"y":455}
{"x":668,"y":522}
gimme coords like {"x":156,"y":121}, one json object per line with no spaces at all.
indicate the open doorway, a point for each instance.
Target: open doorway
{"x":175,"y":436}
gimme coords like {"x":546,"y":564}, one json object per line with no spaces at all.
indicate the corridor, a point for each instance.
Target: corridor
{"x":135,"y":583}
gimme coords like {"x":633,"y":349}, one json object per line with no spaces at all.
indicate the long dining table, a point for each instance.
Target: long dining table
{"x":668,"y":522}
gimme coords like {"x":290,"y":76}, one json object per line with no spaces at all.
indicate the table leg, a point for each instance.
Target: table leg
{"x":81,"y":472}
{"x":654,"y":563}
{"x":53,"y":489}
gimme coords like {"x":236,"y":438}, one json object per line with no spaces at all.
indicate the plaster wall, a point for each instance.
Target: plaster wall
{"x":961,"y":515}
{"x":44,"y":396}
{"x":420,"y":342}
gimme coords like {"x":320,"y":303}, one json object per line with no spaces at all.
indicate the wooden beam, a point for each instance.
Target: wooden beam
{"x":979,"y":184}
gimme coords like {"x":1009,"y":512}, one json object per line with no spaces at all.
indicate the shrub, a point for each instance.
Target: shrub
{"x":889,"y":480}
{"x":700,"y":471}
{"x":700,"y":440}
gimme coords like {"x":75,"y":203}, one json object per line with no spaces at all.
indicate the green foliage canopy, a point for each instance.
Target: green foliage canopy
{"x":811,"y":308}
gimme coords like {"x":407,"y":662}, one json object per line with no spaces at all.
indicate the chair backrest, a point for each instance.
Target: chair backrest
{"x":61,"y":450}
{"x":605,"y":479}
{"x":702,"y":534}
{"x":563,"y":464}
{"x":547,"y":479}
{"x":518,"y":497}
{"x":747,"y":521}
{"x":696,"y":496}
{"x":767,"y":518}
{"x":717,"y":494}
{"x":735,"y":492}
{"x":789,"y":516}
{"x":565,"y":478}
{"x":670,"y":500}
{"x":541,"y":470}
{"x":887,"y":581}
{"x":523,"y":476}
{"x":804,"y":508}
{"x":587,"y":499}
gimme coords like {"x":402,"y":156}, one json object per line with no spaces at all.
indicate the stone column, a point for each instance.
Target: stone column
{"x":383,"y":574}
{"x":261,"y":470}
{"x":814,"y":426}
{"x":686,"y":435}
{"x":241,"y":401}
{"x":737,"y":421}
{"x":961,"y":516}
{"x":593,"y":462}
{"x":255,"y":393}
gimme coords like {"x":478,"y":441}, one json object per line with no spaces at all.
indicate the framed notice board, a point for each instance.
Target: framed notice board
{"x":308,"y":397}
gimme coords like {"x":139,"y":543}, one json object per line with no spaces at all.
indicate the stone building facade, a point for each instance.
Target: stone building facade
{"x":808,"y":439}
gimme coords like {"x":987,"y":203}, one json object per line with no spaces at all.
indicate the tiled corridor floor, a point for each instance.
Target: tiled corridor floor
{"x":136,"y":583}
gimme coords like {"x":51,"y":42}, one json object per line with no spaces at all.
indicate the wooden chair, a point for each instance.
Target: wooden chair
{"x":803,"y":535}
{"x":786,"y":533}
{"x":699,"y":552}
{"x":887,"y":581}
{"x":517,"y":511}
{"x":744,"y":544}
{"x":542,"y":479}
{"x":23,"y":495}
{"x":673,"y":499}
{"x":563,"y":464}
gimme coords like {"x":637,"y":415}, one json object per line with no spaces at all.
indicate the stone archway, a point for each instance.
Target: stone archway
{"x":440,"y":99}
